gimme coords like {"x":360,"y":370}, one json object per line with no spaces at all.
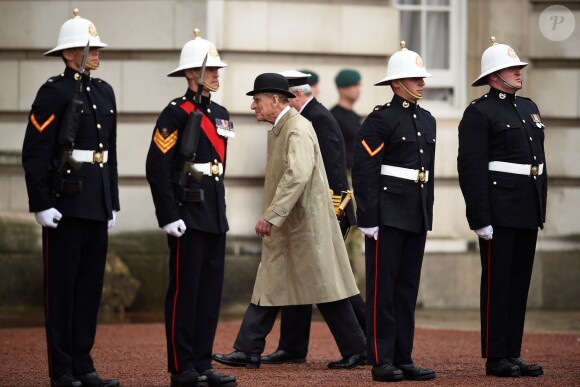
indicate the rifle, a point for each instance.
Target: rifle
{"x":188,"y":149}
{"x":67,"y":134}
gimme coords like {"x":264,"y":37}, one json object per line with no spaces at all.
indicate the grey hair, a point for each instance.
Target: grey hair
{"x":304,"y":89}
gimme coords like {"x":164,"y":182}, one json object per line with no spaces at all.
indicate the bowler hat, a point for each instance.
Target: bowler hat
{"x":271,"y":83}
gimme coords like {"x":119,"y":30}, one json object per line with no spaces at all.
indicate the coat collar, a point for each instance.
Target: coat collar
{"x":289,"y":114}
{"x":501,"y":95}
{"x":403,"y":103}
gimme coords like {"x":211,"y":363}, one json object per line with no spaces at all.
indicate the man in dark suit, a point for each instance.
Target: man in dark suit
{"x":503,"y":178}
{"x":295,"y":321}
{"x":192,"y":212}
{"x":71,"y":178}
{"x":394,"y":159}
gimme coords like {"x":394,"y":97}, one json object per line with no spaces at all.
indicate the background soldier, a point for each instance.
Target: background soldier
{"x":185,"y":167}
{"x":304,"y":260}
{"x":393,"y":185}
{"x":295,"y":321}
{"x":503,"y":178}
{"x":70,"y":162}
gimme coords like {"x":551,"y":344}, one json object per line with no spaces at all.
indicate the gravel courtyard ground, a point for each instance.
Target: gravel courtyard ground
{"x":136,"y":354}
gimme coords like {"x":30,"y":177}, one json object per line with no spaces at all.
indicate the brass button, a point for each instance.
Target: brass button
{"x":88,"y":88}
{"x":101,"y":145}
{"x":404,"y":138}
{"x":208,"y":110}
{"x":95,"y":107}
{"x":217,"y":178}
{"x":508,"y":125}
{"x":422,"y":185}
{"x":111,"y":111}
{"x":101,"y":165}
{"x":495,"y":183}
{"x":419,"y":134}
{"x":384,"y":188}
{"x":534,"y":157}
{"x":98,"y":126}
{"x":414,"y":116}
{"x":421,"y":151}
{"x":530,"y":139}
{"x":68,"y":171}
{"x":524,"y":121}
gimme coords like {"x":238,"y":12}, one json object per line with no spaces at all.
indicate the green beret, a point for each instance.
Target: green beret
{"x":313,"y":78}
{"x":346,"y":78}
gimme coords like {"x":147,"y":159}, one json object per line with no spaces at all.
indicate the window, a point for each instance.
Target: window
{"x":436,"y":29}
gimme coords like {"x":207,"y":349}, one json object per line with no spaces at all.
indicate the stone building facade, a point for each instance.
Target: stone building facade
{"x":255,"y":36}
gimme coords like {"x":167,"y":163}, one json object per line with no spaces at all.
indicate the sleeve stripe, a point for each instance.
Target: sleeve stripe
{"x":371,"y":152}
{"x":38,"y":126}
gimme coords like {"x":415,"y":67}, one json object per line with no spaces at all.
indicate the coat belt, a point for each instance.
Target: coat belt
{"x":415,"y":175}
{"x":89,"y":156}
{"x":517,"y":169}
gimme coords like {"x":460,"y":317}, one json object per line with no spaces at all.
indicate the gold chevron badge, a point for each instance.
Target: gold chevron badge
{"x":41,"y":127}
{"x":372,"y":153}
{"x":165,"y":141}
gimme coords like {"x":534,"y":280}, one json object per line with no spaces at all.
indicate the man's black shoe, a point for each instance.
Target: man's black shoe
{"x":66,"y":380}
{"x":188,"y":378}
{"x":387,"y":373}
{"x":215,"y":379}
{"x":527,"y":369}
{"x":349,"y":361}
{"x":502,"y":368}
{"x":412,"y":372}
{"x":281,"y":357}
{"x":238,"y":359}
{"x":92,"y":379}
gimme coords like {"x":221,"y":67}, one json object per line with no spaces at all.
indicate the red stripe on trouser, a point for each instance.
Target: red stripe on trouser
{"x":375,"y":302}
{"x":488,"y":296}
{"x":46,"y":299}
{"x":175,"y":307}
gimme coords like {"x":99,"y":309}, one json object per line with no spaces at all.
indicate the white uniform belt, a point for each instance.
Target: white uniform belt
{"x":89,"y":156}
{"x":209,"y":169}
{"x":405,"y":173}
{"x":518,"y":169}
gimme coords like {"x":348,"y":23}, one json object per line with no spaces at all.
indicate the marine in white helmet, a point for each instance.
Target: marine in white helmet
{"x":185,"y":169}
{"x":74,"y":198}
{"x":392,"y":176}
{"x":503,"y":177}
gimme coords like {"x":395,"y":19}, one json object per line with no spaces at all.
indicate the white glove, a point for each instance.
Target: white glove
{"x":175,"y":229}
{"x":48,"y":218}
{"x":371,"y":232}
{"x":485,"y":232}
{"x":111,"y":222}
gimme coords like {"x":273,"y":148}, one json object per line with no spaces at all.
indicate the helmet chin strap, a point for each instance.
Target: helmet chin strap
{"x":507,"y":83}
{"x":206,"y":86}
{"x":88,"y":65}
{"x":409,"y":91}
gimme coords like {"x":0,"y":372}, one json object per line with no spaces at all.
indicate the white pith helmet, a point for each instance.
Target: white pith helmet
{"x":74,"y":33}
{"x":495,"y":58}
{"x":193,"y":53}
{"x":404,"y":64}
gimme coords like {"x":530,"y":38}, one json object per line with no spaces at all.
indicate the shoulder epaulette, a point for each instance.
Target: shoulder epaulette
{"x":482,"y":98}
{"x":56,"y":78}
{"x":379,"y":107}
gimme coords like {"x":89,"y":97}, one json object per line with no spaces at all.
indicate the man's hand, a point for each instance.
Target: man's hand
{"x":370,"y":232}
{"x":263,"y":228}
{"x":48,"y":218}
{"x":111,"y":222}
{"x":485,"y":232}
{"x":175,"y":229}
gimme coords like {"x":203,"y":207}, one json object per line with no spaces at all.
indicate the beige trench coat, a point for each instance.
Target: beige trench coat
{"x":304,"y":260}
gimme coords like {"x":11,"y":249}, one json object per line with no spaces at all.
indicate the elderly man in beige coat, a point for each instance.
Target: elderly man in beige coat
{"x":304,"y":260}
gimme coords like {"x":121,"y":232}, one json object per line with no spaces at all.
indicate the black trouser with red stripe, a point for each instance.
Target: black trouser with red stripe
{"x":74,"y":264}
{"x":192,"y":304}
{"x":295,"y":325}
{"x":393,"y":271}
{"x":506,"y":271}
